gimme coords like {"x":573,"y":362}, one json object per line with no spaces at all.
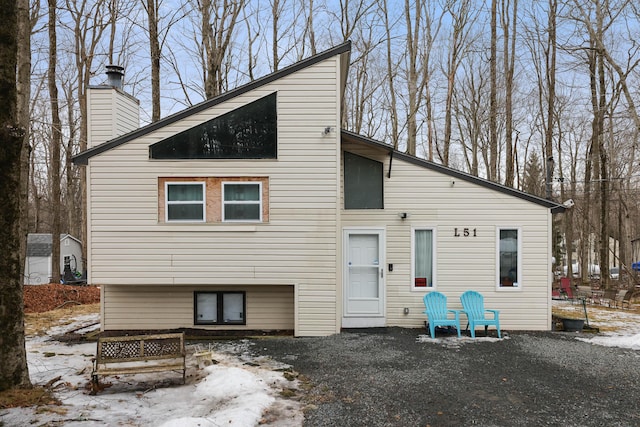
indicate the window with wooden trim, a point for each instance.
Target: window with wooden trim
{"x":219,"y":308}
{"x":213,"y":199}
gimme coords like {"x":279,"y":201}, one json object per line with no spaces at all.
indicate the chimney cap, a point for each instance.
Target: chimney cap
{"x":115,"y":73}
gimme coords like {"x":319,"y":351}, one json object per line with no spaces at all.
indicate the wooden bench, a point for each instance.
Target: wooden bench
{"x":139,"y":354}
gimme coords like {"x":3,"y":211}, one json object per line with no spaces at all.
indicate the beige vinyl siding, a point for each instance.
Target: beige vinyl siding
{"x":164,"y":307}
{"x":131,"y":245}
{"x":111,"y":113}
{"x":462,"y":263}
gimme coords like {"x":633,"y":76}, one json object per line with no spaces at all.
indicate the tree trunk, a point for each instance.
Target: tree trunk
{"x":56,"y":142}
{"x":275,"y":14}
{"x":493,"y":103}
{"x":509,"y":54}
{"x":461,"y":18}
{"x":604,"y":173}
{"x":13,"y":359}
{"x":551,"y":87}
{"x":217,"y":26}
{"x":24,"y":94}
{"x":413,"y":32}
{"x":154,"y":50}
{"x":391,"y":76}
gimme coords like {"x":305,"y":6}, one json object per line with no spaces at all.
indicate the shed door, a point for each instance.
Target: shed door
{"x":363,"y":279}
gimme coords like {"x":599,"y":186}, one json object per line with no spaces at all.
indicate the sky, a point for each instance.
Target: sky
{"x":239,"y":390}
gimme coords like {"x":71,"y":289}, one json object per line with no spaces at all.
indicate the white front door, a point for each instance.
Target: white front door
{"x":363,"y":279}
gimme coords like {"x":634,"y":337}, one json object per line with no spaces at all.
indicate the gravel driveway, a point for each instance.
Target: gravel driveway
{"x":387,"y":377}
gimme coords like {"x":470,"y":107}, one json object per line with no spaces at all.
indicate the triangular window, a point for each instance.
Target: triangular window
{"x":248,"y":132}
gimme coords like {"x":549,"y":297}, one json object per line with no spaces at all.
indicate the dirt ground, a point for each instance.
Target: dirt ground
{"x":41,"y":298}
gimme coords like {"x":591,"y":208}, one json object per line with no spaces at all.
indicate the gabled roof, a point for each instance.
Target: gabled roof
{"x":359,"y":139}
{"x":41,"y":244}
{"x":344,"y":48}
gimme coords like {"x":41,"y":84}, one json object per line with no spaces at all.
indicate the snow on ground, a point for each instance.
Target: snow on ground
{"x":240,"y":390}
{"x":237,"y":391}
{"x":618,"y":327}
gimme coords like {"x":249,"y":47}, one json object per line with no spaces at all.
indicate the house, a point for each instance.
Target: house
{"x":254,"y":211}
{"x":38,"y":267}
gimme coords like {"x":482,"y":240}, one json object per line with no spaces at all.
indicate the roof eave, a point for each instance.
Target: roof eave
{"x":553,"y":206}
{"x":83,"y":158}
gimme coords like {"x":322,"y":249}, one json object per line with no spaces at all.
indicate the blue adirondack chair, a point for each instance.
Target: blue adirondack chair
{"x":438,"y":314}
{"x":473,"y":307}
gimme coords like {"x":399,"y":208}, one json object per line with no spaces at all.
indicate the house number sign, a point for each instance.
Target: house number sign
{"x":464,"y":232}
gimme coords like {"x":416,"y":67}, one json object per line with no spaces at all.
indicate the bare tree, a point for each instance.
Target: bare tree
{"x":509,"y":42}
{"x":391,"y":77}
{"x":413,"y":97}
{"x":277,"y":9}
{"x":493,"y":103}
{"x":550,"y":74}
{"x":218,"y":21}
{"x":253,"y":32}
{"x":13,"y":359}
{"x":151,"y":7}
{"x":309,"y":31}
{"x":461,"y":17}
{"x":55,"y":144}
{"x":471,"y":112}
{"x":88,"y":23}
{"x":27,"y":16}
{"x":352,"y":15}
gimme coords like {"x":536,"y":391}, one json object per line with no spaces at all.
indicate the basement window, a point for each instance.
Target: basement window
{"x":219,"y":308}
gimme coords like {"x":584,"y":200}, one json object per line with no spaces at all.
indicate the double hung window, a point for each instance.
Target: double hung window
{"x":242,"y":201}
{"x":185,"y":201}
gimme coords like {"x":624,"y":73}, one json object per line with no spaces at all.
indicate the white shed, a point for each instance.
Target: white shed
{"x":38,"y":268}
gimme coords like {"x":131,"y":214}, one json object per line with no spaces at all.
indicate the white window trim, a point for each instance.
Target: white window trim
{"x":190,"y":202}
{"x":434,"y":283}
{"x":251,"y":202}
{"x":519,"y":278}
